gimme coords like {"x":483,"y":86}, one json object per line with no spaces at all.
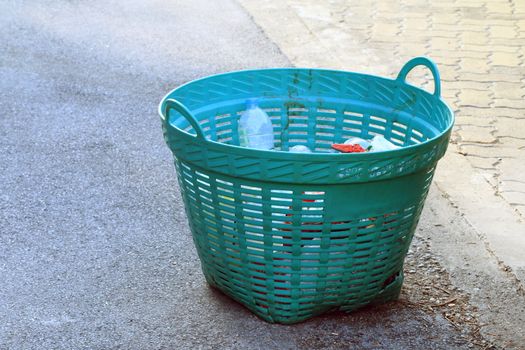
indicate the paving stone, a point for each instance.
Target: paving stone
{"x":443,"y":33}
{"x":512,"y":128}
{"x":516,"y":198}
{"x":492,"y":77}
{"x":477,"y":134}
{"x":416,"y":24}
{"x":504,"y":59}
{"x":508,"y":114}
{"x":488,"y":151}
{"x":475,"y":65}
{"x":473,"y":85}
{"x":474,"y":38}
{"x":512,"y":185}
{"x":509,"y":103}
{"x":468,"y":97}
{"x":490,"y":48}
{"x":458,"y":54}
{"x":503,"y":90}
{"x":447,"y":17}
{"x":444,"y":43}
{"x":515,"y":142}
{"x":515,"y":43}
{"x":484,"y":163}
{"x":498,"y":7}
{"x":462,"y":120}
{"x":387,"y":28}
{"x":507,"y":32}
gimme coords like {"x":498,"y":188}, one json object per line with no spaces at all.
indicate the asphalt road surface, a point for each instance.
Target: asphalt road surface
{"x":95,"y":250}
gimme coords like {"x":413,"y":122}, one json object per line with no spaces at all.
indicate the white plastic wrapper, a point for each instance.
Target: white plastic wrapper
{"x":300,"y":149}
{"x":358,"y":141}
{"x":377,"y":144}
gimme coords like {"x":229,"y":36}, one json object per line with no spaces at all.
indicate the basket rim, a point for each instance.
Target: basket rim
{"x":310,"y":156}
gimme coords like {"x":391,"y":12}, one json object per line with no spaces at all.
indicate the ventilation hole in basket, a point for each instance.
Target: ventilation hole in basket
{"x":350,"y":131}
{"x":271,"y":110}
{"x":298,"y":118}
{"x":205,"y":195}
{"x":415,"y":141}
{"x":203,"y":183}
{"x":198,"y":173}
{"x":367,"y":223}
{"x":252,"y":188}
{"x":341,"y":226}
{"x":210,"y":207}
{"x":203,"y":189}
{"x":325,"y":134}
{"x":313,"y":195}
{"x":324,"y":126}
{"x":280,"y":198}
{"x":250,"y":214}
{"x":223,"y":124}
{"x":226,"y":139}
{"x":295,"y":125}
{"x":417,"y":133}
{"x":296,"y":132}
{"x":325,"y":118}
{"x":354,"y":114}
{"x":223,"y":190}
{"x":391,"y":279}
{"x":398,"y":133}
{"x":185,"y":166}
{"x":296,"y":141}
{"x":390,"y":217}
{"x":380,"y":127}
{"x":220,"y":117}
{"x":324,"y":110}
{"x":187,"y":173}
{"x":399,"y":125}
{"x":226,"y":183}
{"x":297,"y":109}
{"x":379,"y":119}
{"x":396,"y":141}
{"x":223,"y":133}
{"x":352,"y":123}
{"x":192,"y":196}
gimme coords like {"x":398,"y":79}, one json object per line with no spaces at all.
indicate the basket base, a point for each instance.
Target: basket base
{"x":390,"y":293}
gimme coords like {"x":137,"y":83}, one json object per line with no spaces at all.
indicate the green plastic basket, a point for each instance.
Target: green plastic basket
{"x":293,"y":235}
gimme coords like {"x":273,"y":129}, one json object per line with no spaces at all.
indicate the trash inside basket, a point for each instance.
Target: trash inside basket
{"x":293,"y":235}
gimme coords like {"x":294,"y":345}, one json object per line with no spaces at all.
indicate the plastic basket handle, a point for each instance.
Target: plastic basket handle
{"x":422,"y":61}
{"x":185,"y":112}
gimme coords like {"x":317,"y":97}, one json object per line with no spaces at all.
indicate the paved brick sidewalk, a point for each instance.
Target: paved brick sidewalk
{"x":479,"y":47}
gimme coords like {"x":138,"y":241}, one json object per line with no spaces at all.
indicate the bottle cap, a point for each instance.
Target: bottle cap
{"x":252,"y":102}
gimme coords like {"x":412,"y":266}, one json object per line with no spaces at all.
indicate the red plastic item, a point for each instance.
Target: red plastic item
{"x":348,"y":148}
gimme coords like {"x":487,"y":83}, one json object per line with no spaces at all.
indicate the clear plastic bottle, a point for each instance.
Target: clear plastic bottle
{"x":255,"y":127}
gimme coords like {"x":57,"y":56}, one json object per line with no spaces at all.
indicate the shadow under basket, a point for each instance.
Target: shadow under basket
{"x":294,"y":235}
